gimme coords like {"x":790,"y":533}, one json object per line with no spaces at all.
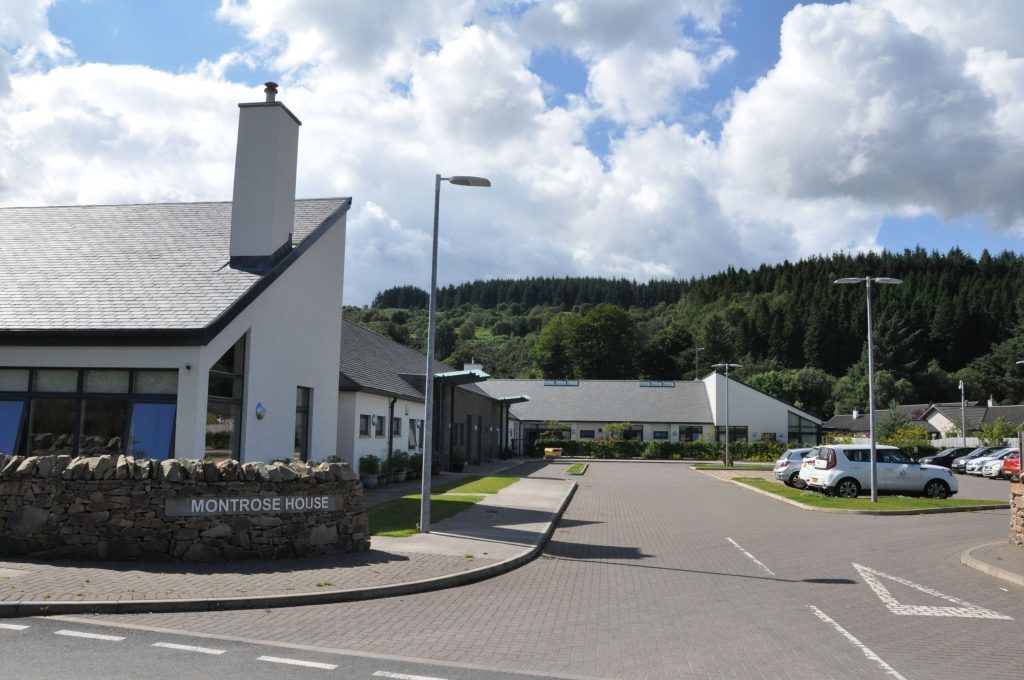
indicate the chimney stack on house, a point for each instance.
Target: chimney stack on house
{"x":856,"y":414}
{"x":263,"y":203}
{"x":991,"y":401}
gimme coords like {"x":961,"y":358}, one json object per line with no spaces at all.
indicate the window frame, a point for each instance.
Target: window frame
{"x":130,"y":398}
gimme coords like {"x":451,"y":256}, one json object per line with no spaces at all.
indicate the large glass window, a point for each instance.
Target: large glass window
{"x":378,"y":426}
{"x":803,"y":431}
{"x":103,"y":426}
{"x":690,"y":433}
{"x":151,"y":434}
{"x":396,"y":427}
{"x":51,"y":427}
{"x":302,"y":400}
{"x":224,"y":403}
{"x":78,"y":411}
{"x":10,"y":425}
{"x":364,"y":426}
{"x":737,"y":433}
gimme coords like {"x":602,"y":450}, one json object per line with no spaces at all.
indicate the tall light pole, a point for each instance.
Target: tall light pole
{"x":963,"y":419}
{"x":726,"y":367}
{"x":868,"y":280}
{"x":428,"y":401}
{"x":696,"y":363}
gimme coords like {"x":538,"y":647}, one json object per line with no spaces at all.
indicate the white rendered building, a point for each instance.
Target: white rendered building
{"x":180,"y":330}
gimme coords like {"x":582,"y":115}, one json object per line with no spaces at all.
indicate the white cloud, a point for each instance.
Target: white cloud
{"x":875,"y":108}
{"x":862,"y":107}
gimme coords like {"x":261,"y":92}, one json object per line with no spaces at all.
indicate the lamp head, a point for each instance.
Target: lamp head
{"x":470,"y":181}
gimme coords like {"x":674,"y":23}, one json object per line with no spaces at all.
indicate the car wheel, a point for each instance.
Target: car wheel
{"x":936,"y":489}
{"x":796,"y":482}
{"x":847,"y":488}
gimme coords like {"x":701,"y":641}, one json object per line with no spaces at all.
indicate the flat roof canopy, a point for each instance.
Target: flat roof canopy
{"x":513,"y":400}
{"x":462,"y":377}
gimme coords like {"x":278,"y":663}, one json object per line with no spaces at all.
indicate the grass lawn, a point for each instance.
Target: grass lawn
{"x":399,"y":517}
{"x":491,"y":484}
{"x":576,"y":469}
{"x":817,"y":500}
{"x":759,"y":467}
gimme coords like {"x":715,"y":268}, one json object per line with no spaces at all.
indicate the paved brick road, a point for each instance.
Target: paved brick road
{"x":640,"y":580}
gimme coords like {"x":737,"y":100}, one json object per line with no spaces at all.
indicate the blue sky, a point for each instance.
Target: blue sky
{"x":665,"y":137}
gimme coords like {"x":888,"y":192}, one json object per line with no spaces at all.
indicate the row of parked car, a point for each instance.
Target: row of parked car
{"x":845,"y":470}
{"x":995,"y":462}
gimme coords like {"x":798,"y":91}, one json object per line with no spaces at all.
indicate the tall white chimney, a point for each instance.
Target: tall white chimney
{"x":263,"y":204}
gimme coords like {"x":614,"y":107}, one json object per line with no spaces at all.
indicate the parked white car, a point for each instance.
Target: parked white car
{"x":974,"y":467}
{"x":845,"y":470}
{"x":994,"y":468}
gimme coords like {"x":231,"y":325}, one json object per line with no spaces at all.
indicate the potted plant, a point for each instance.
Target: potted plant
{"x":415,"y":466}
{"x":385,"y":473}
{"x":369,"y":469}
{"x":399,"y":466}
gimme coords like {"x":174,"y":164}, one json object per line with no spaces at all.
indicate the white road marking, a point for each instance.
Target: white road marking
{"x":188,"y":648}
{"x":403,"y":676}
{"x":965,"y":610}
{"x":1005,"y":590}
{"x":754,"y":559}
{"x":91,"y":636}
{"x":12,"y":626}
{"x":298,"y":662}
{"x":889,"y":670}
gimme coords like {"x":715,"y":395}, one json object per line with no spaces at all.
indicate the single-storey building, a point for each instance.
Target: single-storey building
{"x":946,"y":418}
{"x":657,"y":410}
{"x":857,"y":424}
{"x":381,"y":404}
{"x":185,"y":329}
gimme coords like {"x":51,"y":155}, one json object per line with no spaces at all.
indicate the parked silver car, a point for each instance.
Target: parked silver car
{"x":974,"y":467}
{"x":787,"y":467}
{"x":994,"y":468}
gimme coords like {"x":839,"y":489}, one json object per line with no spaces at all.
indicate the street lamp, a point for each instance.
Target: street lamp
{"x":726,"y":367}
{"x":428,"y":405}
{"x":868,"y":280}
{"x":963,"y":419}
{"x":696,"y":363}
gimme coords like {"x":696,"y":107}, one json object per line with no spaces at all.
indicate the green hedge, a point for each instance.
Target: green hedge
{"x":661,"y":450}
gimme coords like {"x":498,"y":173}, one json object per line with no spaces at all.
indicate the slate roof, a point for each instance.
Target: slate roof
{"x":125,"y":269}
{"x":373,"y":363}
{"x":976,"y":415}
{"x":915,"y":413}
{"x":606,"y":401}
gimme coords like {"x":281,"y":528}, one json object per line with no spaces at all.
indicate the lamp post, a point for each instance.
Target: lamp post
{"x":696,"y":363}
{"x":868,"y":280}
{"x":963,"y":419}
{"x":428,"y":405}
{"x":726,"y":367}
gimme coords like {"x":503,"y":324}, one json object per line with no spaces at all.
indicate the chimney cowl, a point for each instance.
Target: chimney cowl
{"x":271,"y":90}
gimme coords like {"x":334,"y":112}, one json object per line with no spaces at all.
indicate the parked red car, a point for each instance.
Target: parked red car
{"x":1011,"y":465}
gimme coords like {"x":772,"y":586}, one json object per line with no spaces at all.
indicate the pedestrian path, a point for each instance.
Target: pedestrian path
{"x":500,"y":533}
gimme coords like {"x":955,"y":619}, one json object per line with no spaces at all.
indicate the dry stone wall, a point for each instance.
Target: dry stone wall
{"x":117,"y":507}
{"x":1017,"y":513}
